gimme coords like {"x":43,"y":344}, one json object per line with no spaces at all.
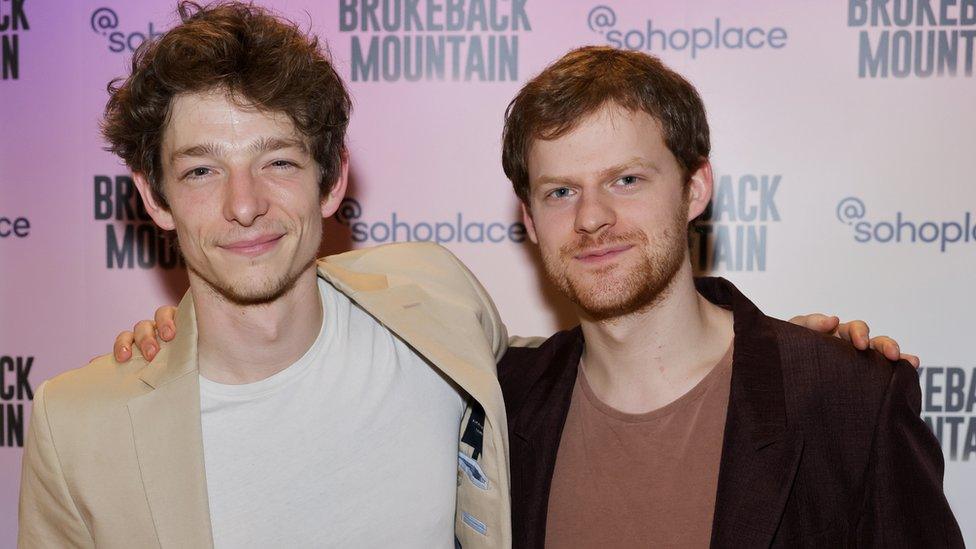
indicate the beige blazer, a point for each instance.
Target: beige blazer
{"x":114,"y":454}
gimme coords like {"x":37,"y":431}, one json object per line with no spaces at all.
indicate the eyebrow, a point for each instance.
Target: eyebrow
{"x":262,"y":145}
{"x":203,"y":149}
{"x":268,"y":144}
{"x":609,"y":173}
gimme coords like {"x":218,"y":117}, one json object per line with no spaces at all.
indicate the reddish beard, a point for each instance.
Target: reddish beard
{"x":624,"y":287}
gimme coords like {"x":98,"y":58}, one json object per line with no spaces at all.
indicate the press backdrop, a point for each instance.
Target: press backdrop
{"x":843,"y":148}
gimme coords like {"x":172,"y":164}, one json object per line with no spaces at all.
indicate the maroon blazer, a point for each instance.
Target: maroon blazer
{"x":823,"y":447}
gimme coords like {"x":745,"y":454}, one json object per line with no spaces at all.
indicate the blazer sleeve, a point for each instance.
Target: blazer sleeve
{"x":491,"y":321}
{"x":48,"y":516}
{"x":904,"y":504}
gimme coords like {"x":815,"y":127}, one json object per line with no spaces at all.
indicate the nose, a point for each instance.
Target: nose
{"x":594,"y":214}
{"x":244,"y":198}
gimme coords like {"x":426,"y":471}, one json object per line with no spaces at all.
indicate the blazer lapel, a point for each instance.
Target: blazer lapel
{"x":536,"y":431}
{"x":760,"y":453}
{"x":169,"y":440}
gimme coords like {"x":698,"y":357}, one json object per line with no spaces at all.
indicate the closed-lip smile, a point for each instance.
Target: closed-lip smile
{"x":253,"y":246}
{"x":594,"y":255}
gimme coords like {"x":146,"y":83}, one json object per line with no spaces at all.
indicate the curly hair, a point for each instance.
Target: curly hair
{"x":583,"y":81}
{"x":260,"y":60}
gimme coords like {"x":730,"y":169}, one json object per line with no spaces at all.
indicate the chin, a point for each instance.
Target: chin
{"x":258,"y":296}
{"x":615,"y":292}
{"x":608,"y":303}
{"x":254,"y":289}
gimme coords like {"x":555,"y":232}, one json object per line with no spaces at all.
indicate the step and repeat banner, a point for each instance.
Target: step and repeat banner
{"x":844,"y":152}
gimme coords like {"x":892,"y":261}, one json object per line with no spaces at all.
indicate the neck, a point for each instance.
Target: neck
{"x":246,"y":343}
{"x":646,"y":359}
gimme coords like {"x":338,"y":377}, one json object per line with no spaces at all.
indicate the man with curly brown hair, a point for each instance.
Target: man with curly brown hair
{"x":349,"y":402}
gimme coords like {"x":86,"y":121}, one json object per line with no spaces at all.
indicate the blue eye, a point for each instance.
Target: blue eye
{"x":561,"y":192}
{"x":628,"y":179}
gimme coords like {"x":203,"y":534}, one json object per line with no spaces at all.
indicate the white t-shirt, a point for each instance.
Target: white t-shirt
{"x":354,"y":445}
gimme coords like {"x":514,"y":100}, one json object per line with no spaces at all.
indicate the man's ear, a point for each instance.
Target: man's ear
{"x":332,"y":201}
{"x":528,"y":222}
{"x":160,"y":215}
{"x":700,"y":189}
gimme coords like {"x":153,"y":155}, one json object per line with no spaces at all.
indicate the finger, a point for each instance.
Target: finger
{"x":857,"y":332}
{"x":166,"y":322}
{"x":123,"y":346}
{"x":824,"y":323}
{"x":816,"y":321}
{"x":799,"y":320}
{"x":886,"y":346}
{"x":912,"y":359}
{"x":145,"y":331}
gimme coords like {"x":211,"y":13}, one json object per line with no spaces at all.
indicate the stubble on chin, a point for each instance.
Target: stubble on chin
{"x":264,"y":292}
{"x":247,"y":293}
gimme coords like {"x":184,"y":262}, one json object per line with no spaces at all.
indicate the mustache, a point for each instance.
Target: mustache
{"x":587,"y":242}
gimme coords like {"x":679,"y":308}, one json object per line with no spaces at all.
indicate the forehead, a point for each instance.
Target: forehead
{"x":608,"y":137}
{"x":214,"y":118}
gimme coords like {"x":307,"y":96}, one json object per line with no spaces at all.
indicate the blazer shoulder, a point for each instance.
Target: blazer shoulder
{"x":425,"y":264}
{"x":387,"y":254}
{"x":437,"y":271}
{"x":98,"y":388}
{"x":827,"y":374}
{"x":832,"y":352}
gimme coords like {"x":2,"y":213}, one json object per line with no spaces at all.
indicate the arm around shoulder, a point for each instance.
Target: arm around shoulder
{"x":905,"y":504}
{"x":48,"y":516}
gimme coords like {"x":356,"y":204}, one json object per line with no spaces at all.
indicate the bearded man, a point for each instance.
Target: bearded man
{"x":677,"y":414}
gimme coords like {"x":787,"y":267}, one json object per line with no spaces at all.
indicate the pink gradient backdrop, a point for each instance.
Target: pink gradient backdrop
{"x":429,"y":150}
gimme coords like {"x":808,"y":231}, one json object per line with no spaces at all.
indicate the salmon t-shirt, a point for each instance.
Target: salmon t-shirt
{"x":639,"y":480}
